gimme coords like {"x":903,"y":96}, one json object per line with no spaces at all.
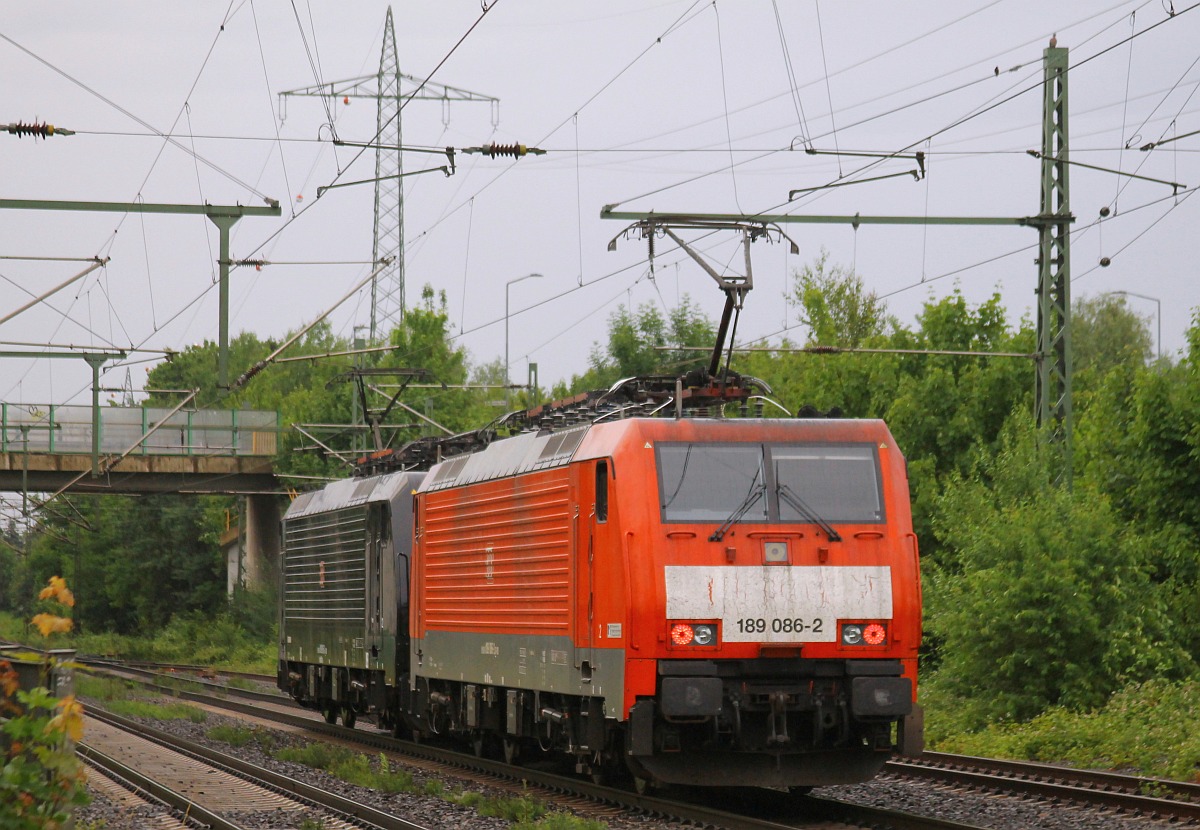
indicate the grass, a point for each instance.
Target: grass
{"x":124,"y":697}
{"x":351,"y":767}
{"x":191,"y":640}
{"x":157,"y":711}
{"x":241,"y":736}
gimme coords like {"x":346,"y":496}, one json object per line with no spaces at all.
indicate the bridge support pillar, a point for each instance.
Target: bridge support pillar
{"x":260,"y":556}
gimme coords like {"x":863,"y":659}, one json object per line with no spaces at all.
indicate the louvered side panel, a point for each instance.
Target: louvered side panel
{"x":325,"y":568}
{"x":497,"y":556}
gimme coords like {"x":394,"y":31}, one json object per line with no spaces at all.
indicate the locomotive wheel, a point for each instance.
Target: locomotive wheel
{"x":349,"y":716}
{"x":330,"y":713}
{"x":512,"y":750}
{"x":641,"y":785}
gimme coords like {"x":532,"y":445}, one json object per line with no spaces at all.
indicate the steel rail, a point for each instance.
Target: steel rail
{"x":1093,"y":788}
{"x":1183,"y":790}
{"x":811,"y":808}
{"x":1110,"y":790}
{"x":352,"y":810}
{"x":186,"y":807}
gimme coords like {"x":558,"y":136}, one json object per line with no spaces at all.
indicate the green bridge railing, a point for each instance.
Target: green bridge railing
{"x":67,"y":430}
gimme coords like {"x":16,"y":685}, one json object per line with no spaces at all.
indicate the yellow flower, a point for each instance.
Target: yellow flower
{"x":57,"y":589}
{"x":8,"y":679}
{"x":49,"y":624}
{"x":69,"y":720}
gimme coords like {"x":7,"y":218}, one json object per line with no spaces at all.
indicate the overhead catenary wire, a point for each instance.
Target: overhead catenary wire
{"x":790,"y":72}
{"x":726,"y":149}
{"x":979,"y":111}
{"x":270,"y":99}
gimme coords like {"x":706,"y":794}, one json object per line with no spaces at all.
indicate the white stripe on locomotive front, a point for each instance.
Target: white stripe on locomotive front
{"x":798,"y":593}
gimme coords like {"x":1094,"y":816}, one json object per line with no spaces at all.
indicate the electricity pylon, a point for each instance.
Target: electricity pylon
{"x":391,"y":90}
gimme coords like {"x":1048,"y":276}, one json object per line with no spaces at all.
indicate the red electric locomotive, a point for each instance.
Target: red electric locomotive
{"x":696,"y":599}
{"x":709,"y":601}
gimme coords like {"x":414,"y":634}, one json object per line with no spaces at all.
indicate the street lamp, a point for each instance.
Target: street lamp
{"x":1158,"y":304}
{"x":507,"y":391}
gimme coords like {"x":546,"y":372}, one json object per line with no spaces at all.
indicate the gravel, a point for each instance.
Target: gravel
{"x":981,"y":810}
{"x":431,"y":811}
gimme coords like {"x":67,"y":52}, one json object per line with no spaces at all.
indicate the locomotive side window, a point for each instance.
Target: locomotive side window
{"x":704,"y":482}
{"x":602,"y":491}
{"x":838,"y":483}
{"x":777,"y":483}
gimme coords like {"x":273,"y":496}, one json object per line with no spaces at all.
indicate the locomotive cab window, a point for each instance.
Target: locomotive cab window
{"x":840,"y":483}
{"x":602,"y":491}
{"x":705,"y":482}
{"x":769,"y":483}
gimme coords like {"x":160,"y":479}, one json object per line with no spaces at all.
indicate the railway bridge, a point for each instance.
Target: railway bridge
{"x":143,"y":450}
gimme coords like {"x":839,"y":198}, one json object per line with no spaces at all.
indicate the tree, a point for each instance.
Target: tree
{"x":636,"y":344}
{"x":1042,"y":596}
{"x":1138,"y":442}
{"x":835,"y":305}
{"x":143,"y":559}
{"x":1105,"y":333}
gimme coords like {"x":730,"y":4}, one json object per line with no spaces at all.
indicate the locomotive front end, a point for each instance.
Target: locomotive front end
{"x":778,"y":586}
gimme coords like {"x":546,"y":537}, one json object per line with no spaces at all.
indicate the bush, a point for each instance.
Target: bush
{"x":1043,"y":598}
{"x":42,"y":779}
{"x":1148,"y":728}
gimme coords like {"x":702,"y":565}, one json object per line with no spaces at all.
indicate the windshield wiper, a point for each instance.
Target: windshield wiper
{"x":756,"y":493}
{"x":807,"y":512}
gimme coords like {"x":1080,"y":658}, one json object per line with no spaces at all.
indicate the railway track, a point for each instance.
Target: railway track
{"x":1137,"y":795}
{"x":762,"y":810}
{"x":1154,"y":798}
{"x":216,"y":790}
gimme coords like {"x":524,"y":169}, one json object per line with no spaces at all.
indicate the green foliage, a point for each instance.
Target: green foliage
{"x":1140,"y":445}
{"x":255,"y":613}
{"x":103,"y":688}
{"x":241,"y":736}
{"x":218,"y":641}
{"x":836,"y":306}
{"x":560,"y":821}
{"x":156,"y":711}
{"x":350,"y":766}
{"x":521,"y":810}
{"x":635,"y":340}
{"x":42,"y":780}
{"x":1041,"y":598}
{"x":1147,"y":727}
{"x":1106,"y":334}
{"x":144,"y":560}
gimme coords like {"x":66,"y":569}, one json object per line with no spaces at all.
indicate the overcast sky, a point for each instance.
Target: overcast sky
{"x":670,"y":106}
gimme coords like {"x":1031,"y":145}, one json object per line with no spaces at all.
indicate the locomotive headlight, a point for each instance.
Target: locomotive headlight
{"x":682,"y":634}
{"x":864,"y":634}
{"x":874,"y":634}
{"x":706,"y":635}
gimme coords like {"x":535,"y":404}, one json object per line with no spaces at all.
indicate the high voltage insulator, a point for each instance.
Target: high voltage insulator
{"x":20,"y":129}
{"x":509,"y":150}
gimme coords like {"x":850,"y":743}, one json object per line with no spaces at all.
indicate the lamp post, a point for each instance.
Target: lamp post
{"x":1158,"y":314}
{"x":507,"y":391}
